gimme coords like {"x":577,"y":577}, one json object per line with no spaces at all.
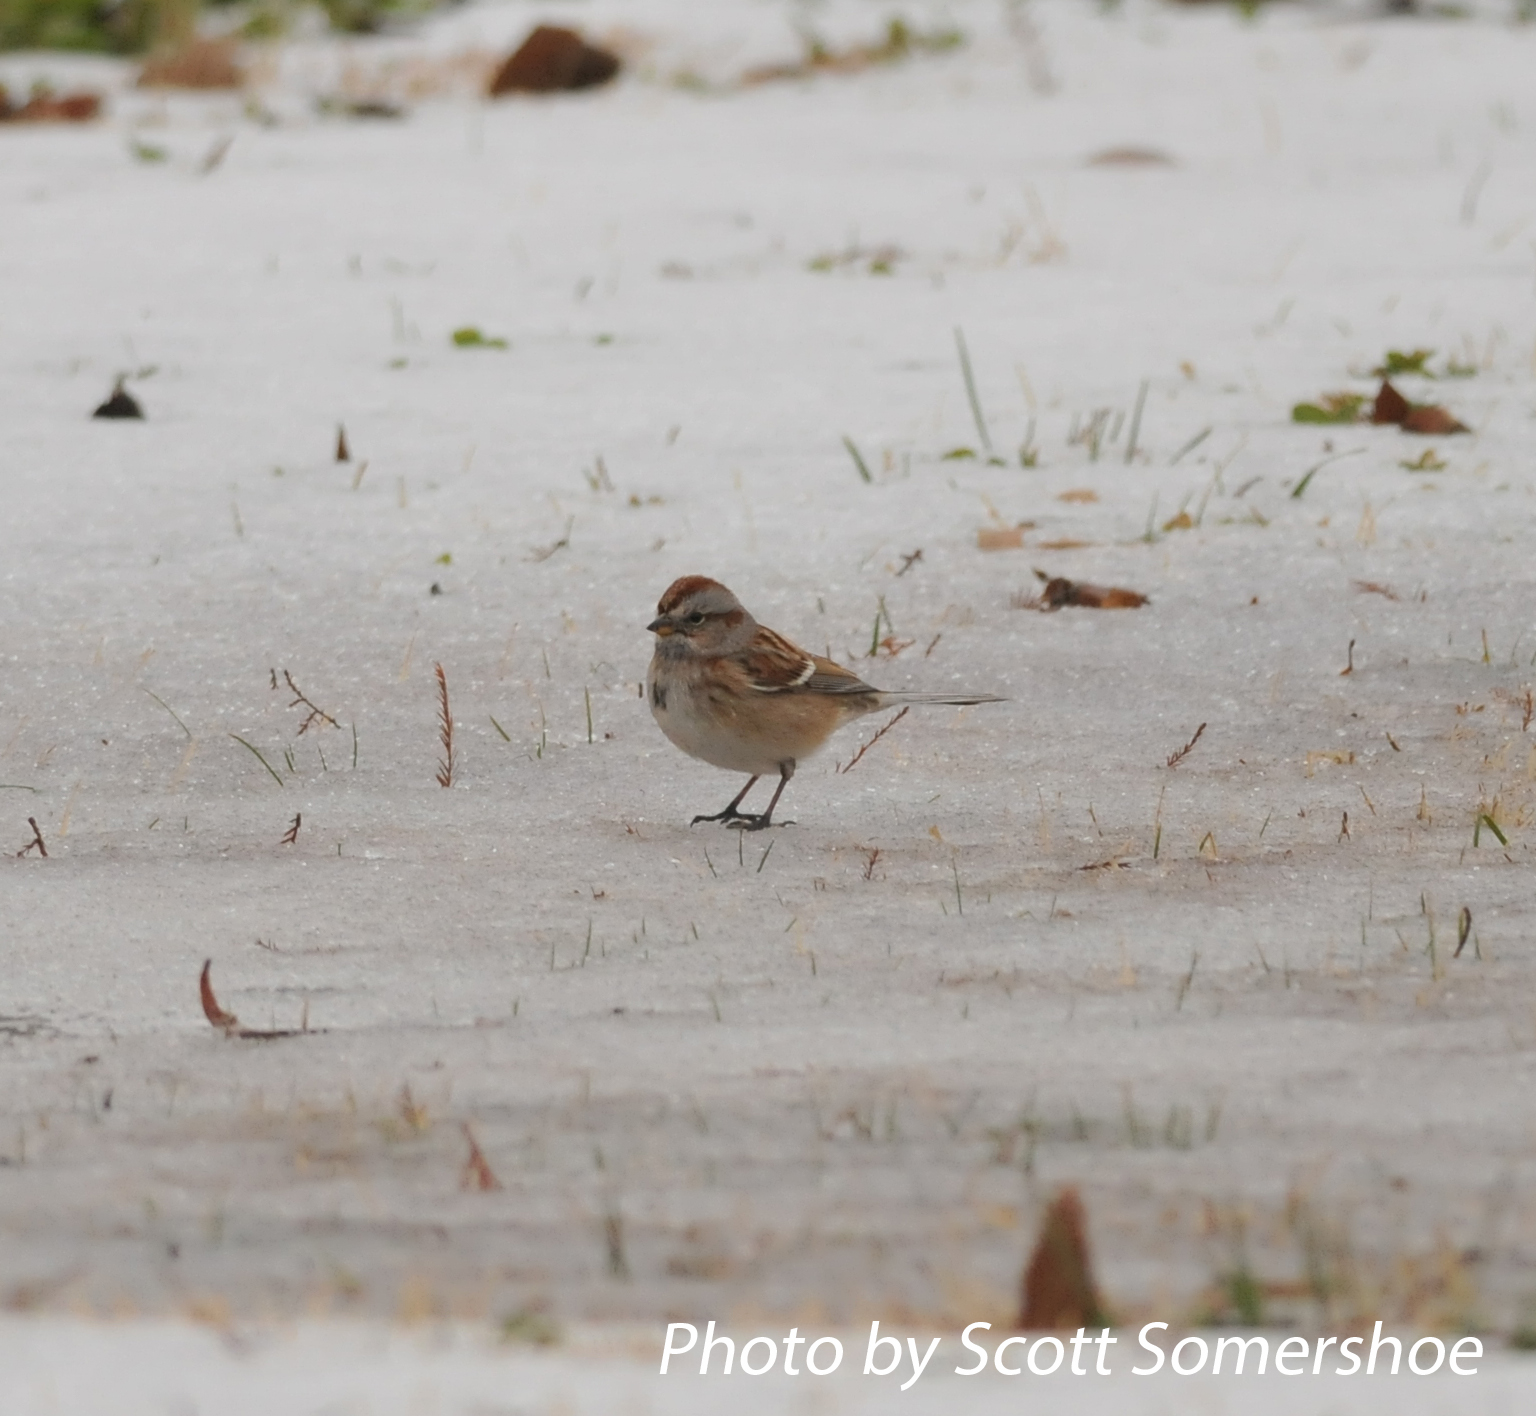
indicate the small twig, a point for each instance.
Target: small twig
{"x":36,"y":843}
{"x":908,"y":561}
{"x":343,"y":452}
{"x":1463,"y":931}
{"x":301,"y":701}
{"x":444,"y":730}
{"x":1349,"y":666}
{"x":1175,"y":758}
{"x":292,"y":833}
{"x":883,"y":731}
{"x":477,"y":1173}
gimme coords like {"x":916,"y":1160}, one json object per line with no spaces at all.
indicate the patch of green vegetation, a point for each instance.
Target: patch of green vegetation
{"x":1330,"y":408}
{"x":959,"y":454}
{"x":1397,"y":363}
{"x":471,"y":337}
{"x":132,"y":26}
{"x":527,"y":1325}
{"x":1427,"y":461}
{"x":901,"y":40}
{"x":90,"y":25}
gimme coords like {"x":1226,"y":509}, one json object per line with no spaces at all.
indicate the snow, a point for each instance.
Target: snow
{"x":713,"y":1081}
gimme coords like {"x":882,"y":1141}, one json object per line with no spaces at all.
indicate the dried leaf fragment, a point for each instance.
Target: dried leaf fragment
{"x":551,"y":59}
{"x":229,"y":1024}
{"x":1427,"y":418}
{"x":1000,"y":538}
{"x":477,"y":1173}
{"x":1390,"y":406}
{"x":1059,"y":1291}
{"x":197,"y":64}
{"x":211,"y":1010}
{"x":1337,"y":756}
{"x":1432,"y":420}
{"x":1060,"y":591}
{"x":121,"y":404}
{"x":1131,"y":157}
{"x":45,"y":106}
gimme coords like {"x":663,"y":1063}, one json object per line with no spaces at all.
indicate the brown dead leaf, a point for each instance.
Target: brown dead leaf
{"x":551,"y":59}
{"x":1060,"y":591}
{"x":48,"y":107}
{"x":1182,"y":522}
{"x":1337,"y":756}
{"x":1059,"y":1291}
{"x":1079,"y":494}
{"x":1372,"y":587}
{"x":1429,"y":419}
{"x":1065,"y":543}
{"x":1390,"y":405}
{"x":1000,"y":538}
{"x":1433,"y":421}
{"x":477,"y":1173}
{"x":1131,"y":157}
{"x":211,"y":1010}
{"x":197,"y":64}
{"x":229,"y":1024}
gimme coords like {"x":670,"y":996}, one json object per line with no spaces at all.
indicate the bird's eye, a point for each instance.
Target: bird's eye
{"x":696,"y":617}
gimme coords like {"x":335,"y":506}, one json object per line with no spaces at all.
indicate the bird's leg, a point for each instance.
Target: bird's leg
{"x":731,"y":813}
{"x":760,"y":823}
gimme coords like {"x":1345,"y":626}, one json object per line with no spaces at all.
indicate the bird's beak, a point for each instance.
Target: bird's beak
{"x":662,"y":628}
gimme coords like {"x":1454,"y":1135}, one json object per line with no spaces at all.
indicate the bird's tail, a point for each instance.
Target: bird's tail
{"x":953,"y":700}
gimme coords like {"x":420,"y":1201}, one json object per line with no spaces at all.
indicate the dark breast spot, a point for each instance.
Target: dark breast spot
{"x":658,"y":697}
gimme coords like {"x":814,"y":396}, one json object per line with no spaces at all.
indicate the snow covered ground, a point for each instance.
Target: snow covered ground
{"x":1013,"y":948}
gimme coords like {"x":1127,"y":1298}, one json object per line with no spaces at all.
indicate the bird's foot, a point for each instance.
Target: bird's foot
{"x":730,"y":816}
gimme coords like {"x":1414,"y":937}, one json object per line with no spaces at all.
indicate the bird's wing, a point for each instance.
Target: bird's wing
{"x":771,"y":664}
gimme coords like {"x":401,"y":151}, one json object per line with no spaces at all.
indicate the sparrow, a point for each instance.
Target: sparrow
{"x":733,"y":693}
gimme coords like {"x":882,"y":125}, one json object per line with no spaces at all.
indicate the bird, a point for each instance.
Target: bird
{"x":735,"y":694}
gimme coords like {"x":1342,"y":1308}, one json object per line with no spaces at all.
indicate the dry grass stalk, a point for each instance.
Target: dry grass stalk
{"x":477,"y":1173}
{"x":444,"y":730}
{"x":1174,"y":758}
{"x":292,"y":833}
{"x":883,"y":731}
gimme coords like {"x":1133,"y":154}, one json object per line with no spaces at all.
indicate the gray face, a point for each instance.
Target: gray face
{"x":705,"y":619}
